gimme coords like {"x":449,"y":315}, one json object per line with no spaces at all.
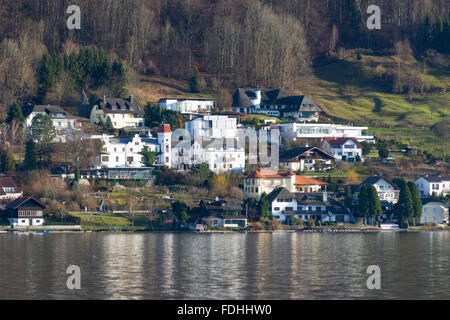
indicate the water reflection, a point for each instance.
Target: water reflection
{"x":226,"y":266}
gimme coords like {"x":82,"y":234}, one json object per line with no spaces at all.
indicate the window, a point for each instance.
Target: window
{"x":105,"y":159}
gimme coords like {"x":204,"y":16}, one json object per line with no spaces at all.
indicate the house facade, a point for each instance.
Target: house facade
{"x":124,"y":152}
{"x":124,"y":113}
{"x":221,"y":155}
{"x":225,"y":213}
{"x":387,"y":191}
{"x":285,"y":205}
{"x":187,"y":105}
{"x":437,"y":185}
{"x":434,"y":211}
{"x":306,"y":159}
{"x":9,"y":190}
{"x":320,"y":131}
{"x":62,"y":120}
{"x":25,"y":212}
{"x":343,"y":149}
{"x":265,"y":181}
{"x":212,"y":126}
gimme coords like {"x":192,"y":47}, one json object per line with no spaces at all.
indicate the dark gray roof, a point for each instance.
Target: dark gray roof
{"x":428,"y":200}
{"x":241,"y":98}
{"x":24,"y":201}
{"x":295,"y":153}
{"x":436,"y":179}
{"x":296,"y":104}
{"x":51,"y":110}
{"x":370,"y":181}
{"x":118,"y":105}
{"x":222,"y":205}
{"x":270,"y":96}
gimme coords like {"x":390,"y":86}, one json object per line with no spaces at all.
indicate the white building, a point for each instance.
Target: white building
{"x":428,"y":186}
{"x":63,"y":121}
{"x":434,"y":211}
{"x":124,"y":113}
{"x":217,"y":127}
{"x":343,"y":149}
{"x":322,"y":130}
{"x":124,"y":152}
{"x":265,"y":181}
{"x":165,"y":142}
{"x":8,"y":189}
{"x":286,"y":205}
{"x":187,"y":105}
{"x":221,"y":155}
{"x":25,"y":212}
{"x":385,"y":189}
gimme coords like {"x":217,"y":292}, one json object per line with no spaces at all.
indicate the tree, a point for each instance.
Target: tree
{"x":374,"y":202}
{"x":416,"y":201}
{"x":15,"y":119}
{"x":84,"y":105}
{"x":149,"y":156}
{"x":202,"y":170}
{"x":363,"y":203}
{"x":30,"y":162}
{"x":108,"y":124}
{"x":404,"y":207}
{"x":348,"y":197}
{"x":181,"y":210}
{"x":263,"y":206}
{"x":43,"y":133}
{"x":118,"y":79}
{"x":383,"y":150}
{"x":7,"y":162}
{"x":195,"y":86}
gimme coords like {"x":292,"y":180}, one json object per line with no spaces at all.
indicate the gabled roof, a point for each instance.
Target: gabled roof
{"x":297,"y":104}
{"x":299,"y":151}
{"x":120,"y":106}
{"x":222,"y":205}
{"x":370,"y":181}
{"x":22,"y":201}
{"x":47,"y":109}
{"x":270,"y":96}
{"x":339,"y":142}
{"x":7,"y":182}
{"x":436,"y":179}
{"x":241,"y":98}
{"x":278,"y":194}
{"x":425,"y":201}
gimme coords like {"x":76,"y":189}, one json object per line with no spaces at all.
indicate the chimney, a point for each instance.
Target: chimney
{"x":325,"y":197}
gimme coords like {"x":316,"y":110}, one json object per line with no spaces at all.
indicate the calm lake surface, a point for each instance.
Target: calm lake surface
{"x":226,"y":266}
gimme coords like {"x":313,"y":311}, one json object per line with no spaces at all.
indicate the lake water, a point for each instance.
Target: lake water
{"x":226,"y":266}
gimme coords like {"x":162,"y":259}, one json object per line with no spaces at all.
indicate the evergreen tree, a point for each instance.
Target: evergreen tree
{"x":7,"y":162}
{"x":43,"y":133}
{"x":118,"y":79}
{"x":84,"y":105}
{"x":374,"y":202}
{"x":15,"y":114}
{"x":195,"y":85}
{"x":30,"y":162}
{"x":263,"y":206}
{"x":108,"y":124}
{"x":404,"y":207}
{"x":416,"y":201}
{"x":363,"y":203}
{"x":348,"y":197}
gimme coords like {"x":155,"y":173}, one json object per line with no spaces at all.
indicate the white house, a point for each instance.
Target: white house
{"x":306,"y":158}
{"x":437,"y":185}
{"x":265,"y":181}
{"x":8,"y":189}
{"x":221,"y":155}
{"x":187,"y":105}
{"x":124,"y":113}
{"x":295,"y":131}
{"x":63,"y":121}
{"x":125,"y":152}
{"x":25,"y":212}
{"x":212,"y":126}
{"x":386,"y":190}
{"x":343,"y":149}
{"x":434,"y":211}
{"x":285,"y":205}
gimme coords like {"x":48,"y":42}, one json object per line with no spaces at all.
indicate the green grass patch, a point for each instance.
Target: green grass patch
{"x":95,"y":222}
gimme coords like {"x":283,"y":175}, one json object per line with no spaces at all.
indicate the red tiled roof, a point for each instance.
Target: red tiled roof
{"x":301,"y":180}
{"x":164,"y":128}
{"x":337,"y":142}
{"x":269,"y":174}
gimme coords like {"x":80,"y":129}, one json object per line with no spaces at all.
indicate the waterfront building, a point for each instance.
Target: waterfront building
{"x":25,"y":212}
{"x":434,"y":211}
{"x":226,"y":213}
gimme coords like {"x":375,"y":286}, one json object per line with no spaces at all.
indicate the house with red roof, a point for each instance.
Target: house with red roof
{"x":343,"y":149}
{"x":8,"y":189}
{"x":265,"y":181}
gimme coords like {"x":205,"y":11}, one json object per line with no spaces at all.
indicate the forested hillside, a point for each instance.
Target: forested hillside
{"x":291,"y":44}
